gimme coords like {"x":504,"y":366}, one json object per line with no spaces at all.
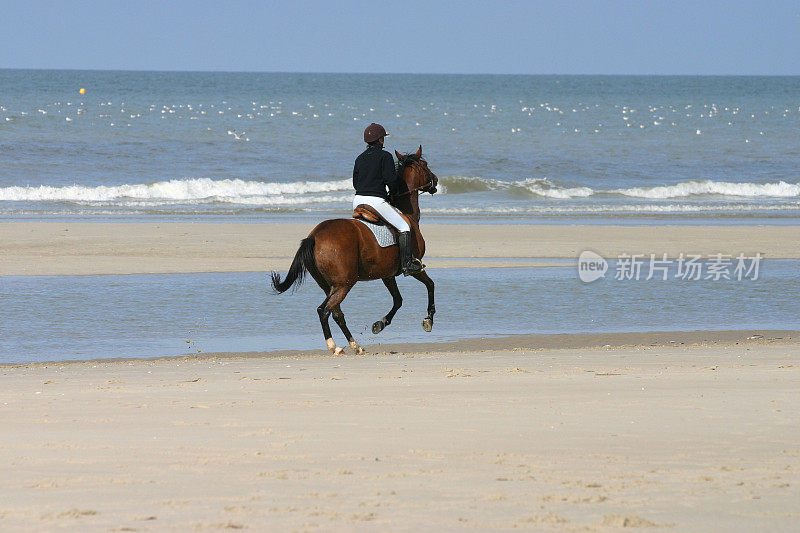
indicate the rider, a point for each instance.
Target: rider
{"x":373,"y":172}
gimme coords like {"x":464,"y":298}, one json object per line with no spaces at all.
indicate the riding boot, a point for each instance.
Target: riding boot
{"x":409,"y":264}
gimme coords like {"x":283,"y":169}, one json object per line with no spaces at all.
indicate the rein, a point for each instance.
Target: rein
{"x":415,"y":189}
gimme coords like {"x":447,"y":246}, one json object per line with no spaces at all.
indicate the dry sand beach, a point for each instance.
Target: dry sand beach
{"x":695,"y":437}
{"x":681,"y":431}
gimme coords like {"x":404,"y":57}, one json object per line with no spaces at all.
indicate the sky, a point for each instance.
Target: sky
{"x":494,"y":37}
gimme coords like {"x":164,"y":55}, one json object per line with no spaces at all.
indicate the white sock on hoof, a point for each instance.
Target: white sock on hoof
{"x":356,"y":347}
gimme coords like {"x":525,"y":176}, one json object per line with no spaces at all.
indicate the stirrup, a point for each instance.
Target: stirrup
{"x":409,"y":269}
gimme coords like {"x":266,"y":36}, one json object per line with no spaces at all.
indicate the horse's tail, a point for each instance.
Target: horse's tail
{"x":303,"y":261}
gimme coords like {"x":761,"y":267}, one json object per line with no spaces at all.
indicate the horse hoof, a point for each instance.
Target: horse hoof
{"x":427,"y":324}
{"x":378,"y":326}
{"x":335,"y":350}
{"x":357,"y":348}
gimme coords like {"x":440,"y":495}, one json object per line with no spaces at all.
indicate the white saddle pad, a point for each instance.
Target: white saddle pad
{"x":382,"y":233}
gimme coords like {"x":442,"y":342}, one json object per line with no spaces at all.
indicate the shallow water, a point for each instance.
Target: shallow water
{"x":164,"y":145}
{"x":79,"y":317}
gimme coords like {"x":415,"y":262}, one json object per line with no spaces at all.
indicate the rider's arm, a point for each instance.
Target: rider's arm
{"x":388,"y":173}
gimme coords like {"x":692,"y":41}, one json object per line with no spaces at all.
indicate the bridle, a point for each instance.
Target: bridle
{"x":426,"y":187}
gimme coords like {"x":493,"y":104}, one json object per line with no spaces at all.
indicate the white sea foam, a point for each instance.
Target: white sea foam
{"x":550,"y":189}
{"x":174,"y":191}
{"x":643,"y":209}
{"x":537,"y":186}
{"x":279,"y":200}
{"x":291,"y":205}
{"x":544,"y":187}
{"x":720,"y":188}
{"x":251,"y":193}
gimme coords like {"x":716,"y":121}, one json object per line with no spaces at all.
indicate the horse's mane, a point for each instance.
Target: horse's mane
{"x":404,"y":161}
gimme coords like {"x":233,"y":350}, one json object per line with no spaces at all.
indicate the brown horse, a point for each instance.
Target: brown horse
{"x":340,"y":252}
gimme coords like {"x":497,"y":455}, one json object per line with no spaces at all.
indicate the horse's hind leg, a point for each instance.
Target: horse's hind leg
{"x":397,"y":301}
{"x":338,"y":316}
{"x":324,"y":312}
{"x":335,"y":297}
{"x":427,"y":323}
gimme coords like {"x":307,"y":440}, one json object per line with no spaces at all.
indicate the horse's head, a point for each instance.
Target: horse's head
{"x":414,"y":171}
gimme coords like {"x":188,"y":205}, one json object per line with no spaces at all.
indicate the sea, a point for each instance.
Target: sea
{"x":279,"y":147}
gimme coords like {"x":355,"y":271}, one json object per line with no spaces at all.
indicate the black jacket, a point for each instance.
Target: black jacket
{"x":373,"y":172}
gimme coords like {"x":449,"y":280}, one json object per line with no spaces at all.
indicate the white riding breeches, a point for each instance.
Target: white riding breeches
{"x":389,"y":213}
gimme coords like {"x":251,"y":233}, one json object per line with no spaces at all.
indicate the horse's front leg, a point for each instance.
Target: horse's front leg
{"x":427,"y":323}
{"x":397,"y":301}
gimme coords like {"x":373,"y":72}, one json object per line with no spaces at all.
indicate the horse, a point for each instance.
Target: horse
{"x":340,"y":252}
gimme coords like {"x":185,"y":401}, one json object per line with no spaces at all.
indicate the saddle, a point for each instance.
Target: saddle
{"x":370,"y":214}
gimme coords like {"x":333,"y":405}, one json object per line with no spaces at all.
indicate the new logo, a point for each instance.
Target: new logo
{"x":591,"y":266}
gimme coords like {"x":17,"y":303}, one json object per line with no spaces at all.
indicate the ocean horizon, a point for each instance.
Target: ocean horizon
{"x":177,"y":145}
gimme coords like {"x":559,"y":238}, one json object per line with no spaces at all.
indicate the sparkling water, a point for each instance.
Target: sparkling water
{"x":242,"y":146}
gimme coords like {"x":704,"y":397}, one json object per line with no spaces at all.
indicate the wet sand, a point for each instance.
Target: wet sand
{"x":698,"y":436}
{"x":690,"y":431}
{"x":557,"y":341}
{"x":53,"y":248}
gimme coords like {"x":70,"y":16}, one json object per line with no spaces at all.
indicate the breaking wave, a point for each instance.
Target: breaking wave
{"x":717,"y":188}
{"x":550,"y":189}
{"x":175,"y":191}
{"x":206,"y":191}
{"x":537,"y":186}
{"x":605,"y":209}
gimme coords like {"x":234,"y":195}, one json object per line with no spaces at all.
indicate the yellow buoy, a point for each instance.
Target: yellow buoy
{"x":82,"y":91}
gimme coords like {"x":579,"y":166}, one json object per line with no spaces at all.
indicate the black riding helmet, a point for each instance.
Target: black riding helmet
{"x":374,"y":132}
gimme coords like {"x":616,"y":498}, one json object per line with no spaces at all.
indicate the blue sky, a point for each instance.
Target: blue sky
{"x":533,"y":37}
